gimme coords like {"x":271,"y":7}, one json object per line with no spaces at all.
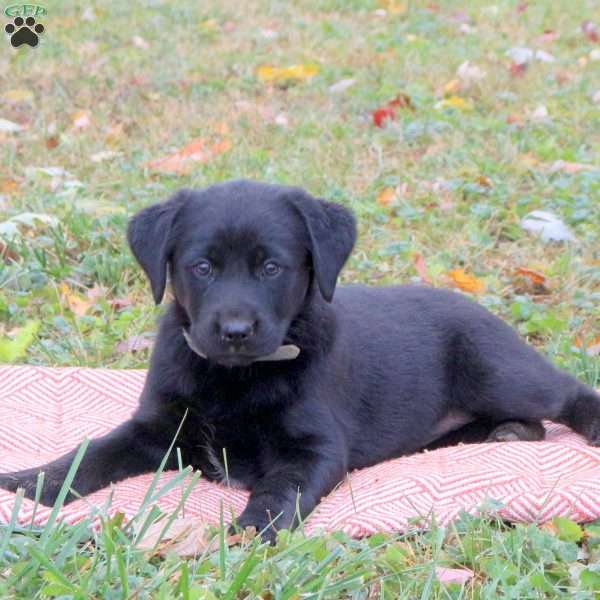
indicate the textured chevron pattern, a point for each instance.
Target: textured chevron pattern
{"x":46,"y":412}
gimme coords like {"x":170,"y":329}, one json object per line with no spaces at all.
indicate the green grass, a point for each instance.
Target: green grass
{"x":462,"y":180}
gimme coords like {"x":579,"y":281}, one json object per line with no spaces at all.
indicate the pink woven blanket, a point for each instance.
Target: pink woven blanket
{"x":46,"y":412}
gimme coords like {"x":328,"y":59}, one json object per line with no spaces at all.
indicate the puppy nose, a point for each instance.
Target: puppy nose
{"x":237,"y":330}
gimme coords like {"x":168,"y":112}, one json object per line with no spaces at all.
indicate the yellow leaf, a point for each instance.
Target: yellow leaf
{"x":18,"y":95}
{"x":466,"y":282}
{"x":455,"y":102}
{"x":268,"y":73}
{"x":393,"y":6}
{"x":386,"y":196}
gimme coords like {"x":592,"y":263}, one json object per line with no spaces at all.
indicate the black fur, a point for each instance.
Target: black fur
{"x":382,"y":371}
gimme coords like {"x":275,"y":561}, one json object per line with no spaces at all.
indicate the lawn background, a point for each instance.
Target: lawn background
{"x":440,"y":191}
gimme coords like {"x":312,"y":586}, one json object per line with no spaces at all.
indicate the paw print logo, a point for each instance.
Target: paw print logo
{"x":24,"y":32}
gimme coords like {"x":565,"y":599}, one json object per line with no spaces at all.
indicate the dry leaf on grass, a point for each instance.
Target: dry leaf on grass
{"x":386,"y":196}
{"x":466,"y":282}
{"x":17,"y":96}
{"x":455,"y":102}
{"x":446,"y":575}
{"x":182,"y":161}
{"x":591,"y":348}
{"x":530,"y":281}
{"x":78,"y":304}
{"x":270,"y":74}
{"x":187,"y":537}
{"x":388,"y":110}
{"x":570,"y":167}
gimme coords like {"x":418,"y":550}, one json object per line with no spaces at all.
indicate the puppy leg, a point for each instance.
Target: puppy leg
{"x":290,"y":491}
{"x":484,"y":430}
{"x":581,"y":412}
{"x":128,"y":450}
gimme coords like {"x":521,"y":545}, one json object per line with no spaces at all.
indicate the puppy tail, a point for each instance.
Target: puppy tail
{"x":582,"y":413}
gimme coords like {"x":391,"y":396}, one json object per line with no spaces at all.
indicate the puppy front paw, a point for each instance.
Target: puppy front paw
{"x":28,"y":480}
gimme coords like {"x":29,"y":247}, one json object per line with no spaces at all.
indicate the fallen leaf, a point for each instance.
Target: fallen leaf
{"x":596,"y":97}
{"x":186,"y":537}
{"x":592,"y":348}
{"x":518,"y":69}
{"x":466,"y":282}
{"x":77,"y":304}
{"x":520,"y":55}
{"x":182,"y":160}
{"x":9,"y":126}
{"x":595,"y":54}
{"x":104,"y":155}
{"x":451,"y":87}
{"x":549,"y":36}
{"x":421,"y":269}
{"x":547,"y":225}
{"x":8,"y":186}
{"x":484,"y":181}
{"x":539,"y":114}
{"x":17,"y":96}
{"x":341,"y":86}
{"x":446,"y":575}
{"x":393,"y":6}
{"x":386,"y":196}
{"x":388,"y":110}
{"x":51,"y":142}
{"x":269,"y":74}
{"x":469,"y":74}
{"x":81,"y":119}
{"x":134,"y":344}
{"x":455,"y":102}
{"x":570,"y":167}
{"x":590,"y":31}
{"x":544,"y":56}
{"x":534,"y":276}
{"x":140,"y":42}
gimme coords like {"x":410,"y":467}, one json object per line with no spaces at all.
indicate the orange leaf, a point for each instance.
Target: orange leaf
{"x":536,"y":278}
{"x":8,"y":186}
{"x":386,"y":196}
{"x":466,"y":282}
{"x":181,"y":161}
{"x":421,"y":269}
{"x":77,"y":304}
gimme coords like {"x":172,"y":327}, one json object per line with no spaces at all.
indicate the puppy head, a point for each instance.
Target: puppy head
{"x":242,"y":256}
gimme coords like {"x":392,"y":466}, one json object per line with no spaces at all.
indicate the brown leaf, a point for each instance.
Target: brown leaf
{"x":52,"y":141}
{"x":134,"y":344}
{"x":182,"y":161}
{"x":421,"y":269}
{"x":466,"y":282}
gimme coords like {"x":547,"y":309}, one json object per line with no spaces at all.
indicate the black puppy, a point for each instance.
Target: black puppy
{"x":381,"y":372}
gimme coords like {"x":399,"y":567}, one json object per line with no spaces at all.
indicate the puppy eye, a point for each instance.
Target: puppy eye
{"x":271,"y":269}
{"x":203,"y":268}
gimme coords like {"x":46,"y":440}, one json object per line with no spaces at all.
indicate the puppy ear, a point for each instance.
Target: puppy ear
{"x":332,"y":234}
{"x":150,"y":239}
